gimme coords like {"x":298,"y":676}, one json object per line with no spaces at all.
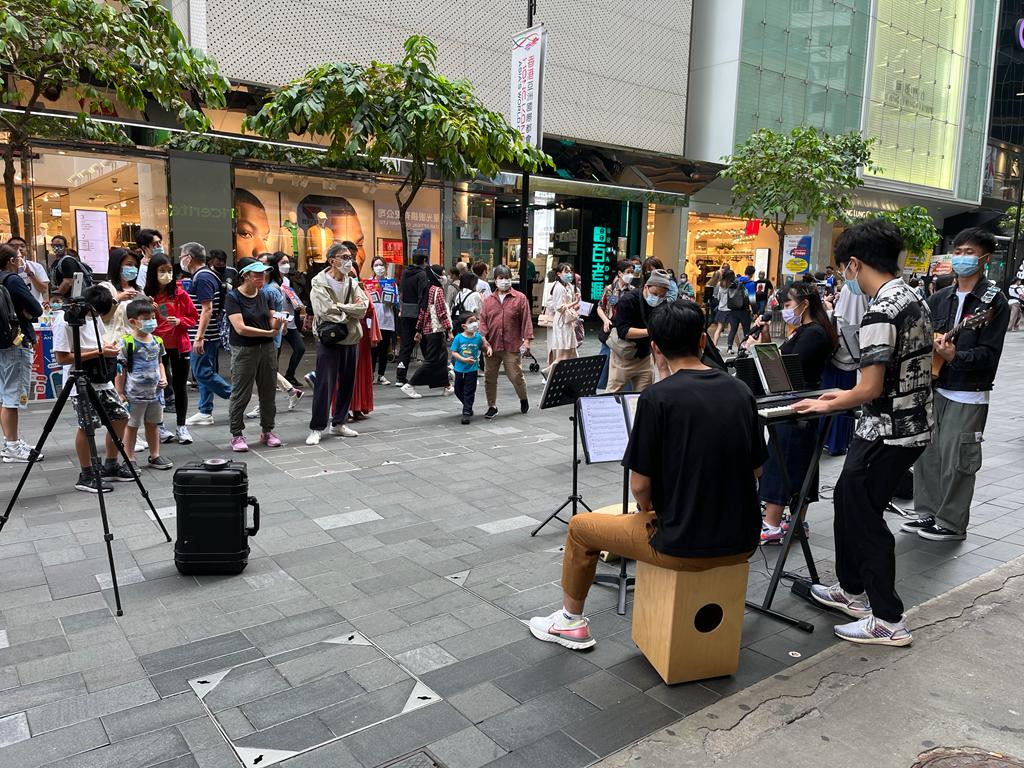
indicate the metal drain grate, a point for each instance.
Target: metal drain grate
{"x":949,"y":757}
{"x":421,"y":758}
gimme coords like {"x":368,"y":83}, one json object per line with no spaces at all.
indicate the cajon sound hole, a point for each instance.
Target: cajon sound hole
{"x":708,"y":618}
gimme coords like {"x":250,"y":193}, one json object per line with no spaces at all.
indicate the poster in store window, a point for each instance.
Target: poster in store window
{"x":93,"y":238}
{"x":796,"y":254}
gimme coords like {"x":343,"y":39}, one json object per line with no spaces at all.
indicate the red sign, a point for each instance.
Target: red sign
{"x":753,"y":227}
{"x":391,"y":250}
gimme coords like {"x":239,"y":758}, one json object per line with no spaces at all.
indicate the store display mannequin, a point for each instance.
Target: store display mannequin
{"x":319,"y":238}
{"x":290,"y":240}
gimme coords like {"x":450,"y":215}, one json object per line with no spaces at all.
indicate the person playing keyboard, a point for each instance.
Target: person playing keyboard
{"x":895,"y":390}
{"x":813,"y":341}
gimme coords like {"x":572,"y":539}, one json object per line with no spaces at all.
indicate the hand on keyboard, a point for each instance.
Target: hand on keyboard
{"x":821,"y":404}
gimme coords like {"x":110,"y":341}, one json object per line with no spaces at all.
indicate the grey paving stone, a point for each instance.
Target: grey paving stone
{"x":152,"y":717}
{"x":368,"y":708}
{"x":76,"y":709}
{"x":638,"y":672}
{"x":312,"y":662}
{"x":685,"y":698}
{"x":13,"y":728}
{"x":176,"y":680}
{"x":426,"y":659}
{"x":378,"y":674}
{"x":406,"y":733}
{"x":55,"y":745}
{"x":276,"y":631}
{"x":621,"y":724}
{"x":295,"y":735}
{"x":482,"y":701}
{"x":293,"y":702}
{"x":536,"y":718}
{"x":483,"y":639}
{"x":38,"y":649}
{"x":467,"y":748}
{"x":235,"y":724}
{"x":192,"y":653}
{"x":147,"y":750}
{"x":36,"y":694}
{"x":80,"y":622}
{"x":545,"y":676}
{"x":333,"y":755}
{"x":417,"y":635}
{"x":602,"y":689}
{"x":555,"y":749}
{"x":466,"y":674}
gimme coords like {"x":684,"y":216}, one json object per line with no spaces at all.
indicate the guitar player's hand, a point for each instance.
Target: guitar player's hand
{"x":945,"y":349}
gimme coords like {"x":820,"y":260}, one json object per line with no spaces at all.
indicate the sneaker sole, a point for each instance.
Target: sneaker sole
{"x":9,"y":460}
{"x":185,"y":442}
{"x":90,"y":489}
{"x":841,"y":608}
{"x":570,"y":644}
{"x":933,"y":537}
{"x":157,"y":466}
{"x":901,"y":643}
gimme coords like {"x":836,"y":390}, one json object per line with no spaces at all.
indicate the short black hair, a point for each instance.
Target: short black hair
{"x":677,"y":327}
{"x":624,"y":265}
{"x":876,"y":242}
{"x":749,"y":271}
{"x":59,"y":237}
{"x":8,"y":253}
{"x":138,"y":307}
{"x":420,"y":256}
{"x":479,"y":268}
{"x":216,"y":254}
{"x":16,"y":238}
{"x":464,"y":318}
{"x":976,"y":236}
{"x":145,"y":237}
{"x":98,"y":298}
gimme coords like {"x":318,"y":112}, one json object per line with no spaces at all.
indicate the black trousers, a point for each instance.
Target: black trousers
{"x":865,"y":548}
{"x":407,"y":342}
{"x":335,"y":383}
{"x":738,"y":317}
{"x":380,"y":352}
{"x":434,"y":370}
{"x":177,"y":366}
{"x":465,"y":390}
{"x":294,"y":338}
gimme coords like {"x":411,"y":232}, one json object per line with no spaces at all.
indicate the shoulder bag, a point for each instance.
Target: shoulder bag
{"x":330,"y":332}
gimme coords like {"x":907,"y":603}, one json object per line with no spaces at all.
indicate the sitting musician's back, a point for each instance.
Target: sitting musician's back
{"x":970,"y":319}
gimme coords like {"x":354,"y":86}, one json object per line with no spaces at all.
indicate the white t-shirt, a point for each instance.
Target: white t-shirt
{"x":87,"y":336}
{"x":483,"y":287}
{"x":471,"y":301}
{"x":957,"y":396}
{"x":39,"y":271}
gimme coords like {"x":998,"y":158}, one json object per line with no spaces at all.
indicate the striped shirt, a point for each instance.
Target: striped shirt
{"x":206,"y":286}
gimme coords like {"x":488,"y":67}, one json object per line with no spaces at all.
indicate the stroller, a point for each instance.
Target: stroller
{"x":534,"y":363}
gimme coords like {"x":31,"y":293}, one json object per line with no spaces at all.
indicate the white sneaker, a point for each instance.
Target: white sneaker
{"x":293,"y":398}
{"x":449,"y":391}
{"x":29,"y":448}
{"x":343,"y":430}
{"x":382,"y":380}
{"x":409,"y":391}
{"x":184,"y":438}
{"x":254,"y":413}
{"x":199,"y":420}
{"x":314,"y":437}
{"x":140,"y":443}
{"x":15,"y":453}
{"x":166,"y":435}
{"x":557,"y":629}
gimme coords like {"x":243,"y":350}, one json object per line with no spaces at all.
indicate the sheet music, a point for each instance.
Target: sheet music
{"x":631,"y":403}
{"x":603,"y":426}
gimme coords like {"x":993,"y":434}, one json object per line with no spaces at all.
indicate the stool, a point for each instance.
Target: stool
{"x":688,"y":623}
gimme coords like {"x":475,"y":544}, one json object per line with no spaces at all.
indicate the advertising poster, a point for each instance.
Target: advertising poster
{"x":391,"y":250}
{"x":916,"y":263}
{"x":527,"y":84}
{"x":47,"y":379}
{"x":796,"y":254}
{"x":93,"y":238}
{"x":940,"y":265}
{"x":422,"y":223}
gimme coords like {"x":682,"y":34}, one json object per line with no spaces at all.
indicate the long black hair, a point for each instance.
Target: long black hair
{"x":808,"y":292}
{"x":153,"y":288}
{"x":274,"y":262}
{"x":114,"y":262}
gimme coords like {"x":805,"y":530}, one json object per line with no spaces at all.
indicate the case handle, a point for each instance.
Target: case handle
{"x":252,"y":502}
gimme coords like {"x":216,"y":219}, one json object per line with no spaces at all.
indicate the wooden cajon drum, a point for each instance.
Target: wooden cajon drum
{"x":688,"y":623}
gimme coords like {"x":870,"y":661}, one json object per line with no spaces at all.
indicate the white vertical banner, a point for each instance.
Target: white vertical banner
{"x":527,"y":83}
{"x":93,"y":238}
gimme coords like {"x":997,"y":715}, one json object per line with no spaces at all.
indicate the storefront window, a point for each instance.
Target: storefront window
{"x":304,"y":215}
{"x":473,"y":218}
{"x":96,"y":201}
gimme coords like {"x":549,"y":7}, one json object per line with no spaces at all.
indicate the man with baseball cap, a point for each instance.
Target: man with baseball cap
{"x":630,"y":361}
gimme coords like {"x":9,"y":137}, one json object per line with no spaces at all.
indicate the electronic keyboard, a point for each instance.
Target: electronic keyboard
{"x":776,"y":407}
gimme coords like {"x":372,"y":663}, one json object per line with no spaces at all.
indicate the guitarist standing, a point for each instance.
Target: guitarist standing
{"x":977,"y":313}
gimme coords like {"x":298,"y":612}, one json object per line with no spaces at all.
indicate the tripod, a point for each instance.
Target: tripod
{"x":78,"y":380}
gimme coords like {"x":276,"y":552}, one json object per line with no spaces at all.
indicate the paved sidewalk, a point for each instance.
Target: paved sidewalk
{"x":957,"y":688}
{"x":380,"y":611}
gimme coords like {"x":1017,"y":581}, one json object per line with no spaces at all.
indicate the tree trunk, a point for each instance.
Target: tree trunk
{"x":414,"y":185}
{"x":781,"y":230}
{"x":26,"y":195}
{"x":12,"y":201}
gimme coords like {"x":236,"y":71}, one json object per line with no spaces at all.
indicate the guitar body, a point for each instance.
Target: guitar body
{"x":973,"y":322}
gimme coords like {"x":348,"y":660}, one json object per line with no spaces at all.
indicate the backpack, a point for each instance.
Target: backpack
{"x":738,"y":298}
{"x":10,"y":325}
{"x":129,"y":350}
{"x":55,"y":276}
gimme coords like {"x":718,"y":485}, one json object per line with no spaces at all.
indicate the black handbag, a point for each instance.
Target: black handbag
{"x":332,"y":334}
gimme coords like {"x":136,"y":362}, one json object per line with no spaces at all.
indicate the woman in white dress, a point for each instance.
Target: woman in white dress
{"x":564,"y":308}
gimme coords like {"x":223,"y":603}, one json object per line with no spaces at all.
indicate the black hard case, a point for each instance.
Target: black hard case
{"x":211,"y":500}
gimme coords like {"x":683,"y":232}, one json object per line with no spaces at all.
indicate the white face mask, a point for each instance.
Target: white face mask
{"x":285,"y":268}
{"x":165,"y":278}
{"x":379,"y":270}
{"x":472,"y":327}
{"x":345,"y":267}
{"x":504,"y":284}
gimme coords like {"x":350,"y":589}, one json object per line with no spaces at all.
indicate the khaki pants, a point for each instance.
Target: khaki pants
{"x":513,"y":363}
{"x":638,"y":373}
{"x":625,"y":535}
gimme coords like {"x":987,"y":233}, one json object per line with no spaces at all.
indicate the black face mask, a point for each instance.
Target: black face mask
{"x":59,"y":249}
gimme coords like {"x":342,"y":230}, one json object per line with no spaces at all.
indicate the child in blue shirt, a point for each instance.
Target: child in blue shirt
{"x":466,"y":349}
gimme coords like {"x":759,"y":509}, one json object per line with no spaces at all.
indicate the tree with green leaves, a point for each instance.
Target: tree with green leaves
{"x":916,"y":226}
{"x":380,"y":113}
{"x":1008,"y":221}
{"x":777,"y":177}
{"x":103,"y":55}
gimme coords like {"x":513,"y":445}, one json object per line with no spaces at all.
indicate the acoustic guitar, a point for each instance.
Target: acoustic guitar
{"x":970,"y":323}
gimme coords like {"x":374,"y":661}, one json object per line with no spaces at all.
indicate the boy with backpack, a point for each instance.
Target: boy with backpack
{"x":141,"y":380}
{"x":466,"y":348}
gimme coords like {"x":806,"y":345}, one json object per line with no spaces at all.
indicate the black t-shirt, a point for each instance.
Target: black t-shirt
{"x":811,"y":344}
{"x":69,"y":265}
{"x":254,"y":313}
{"x":696,"y":435}
{"x":629,"y":313}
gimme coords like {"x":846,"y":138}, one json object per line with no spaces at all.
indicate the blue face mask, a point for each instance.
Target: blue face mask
{"x":852,"y":285}
{"x":129,"y":273}
{"x":965,"y":266}
{"x":652,"y":300}
{"x":567,"y":277}
{"x":148,"y":326}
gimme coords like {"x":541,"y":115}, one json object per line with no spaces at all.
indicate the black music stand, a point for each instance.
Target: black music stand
{"x":622,"y":581}
{"x":567,"y":382}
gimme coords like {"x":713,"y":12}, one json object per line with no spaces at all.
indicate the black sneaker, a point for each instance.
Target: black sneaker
{"x":465,"y":419}
{"x":159,"y":462}
{"x":117,"y":473}
{"x":295,"y":382}
{"x":913,"y":526}
{"x":938,"y":533}
{"x":524,"y":406}
{"x":491,"y":413}
{"x":89,"y":484}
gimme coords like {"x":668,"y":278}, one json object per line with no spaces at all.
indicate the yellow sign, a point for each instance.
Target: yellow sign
{"x":797,"y":265}
{"x":916,"y":263}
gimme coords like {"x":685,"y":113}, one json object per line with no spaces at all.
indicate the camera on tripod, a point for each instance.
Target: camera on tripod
{"x":76,"y":308}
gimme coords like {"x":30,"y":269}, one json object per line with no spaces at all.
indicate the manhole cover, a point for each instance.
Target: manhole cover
{"x":947,"y":757}
{"x":420,"y":759}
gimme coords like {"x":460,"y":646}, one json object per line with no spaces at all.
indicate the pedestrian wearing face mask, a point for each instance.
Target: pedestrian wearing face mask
{"x":295,"y":309}
{"x":65,"y":265}
{"x":122,"y":272}
{"x":150,"y":243}
{"x":433,"y":334}
{"x":383,"y":292}
{"x":564,"y":309}
{"x":606,"y":311}
{"x":506,"y":323}
{"x":175,"y":315}
{"x":630,"y":361}
{"x":467,"y":348}
{"x":944,"y":475}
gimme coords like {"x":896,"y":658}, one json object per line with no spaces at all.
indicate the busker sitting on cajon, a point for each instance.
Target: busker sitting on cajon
{"x":692,"y":435}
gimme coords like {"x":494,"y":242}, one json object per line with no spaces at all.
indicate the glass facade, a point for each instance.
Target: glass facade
{"x":979,"y":83}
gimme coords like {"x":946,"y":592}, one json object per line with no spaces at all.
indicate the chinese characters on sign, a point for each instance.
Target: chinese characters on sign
{"x":527,"y":83}
{"x":600,"y":261}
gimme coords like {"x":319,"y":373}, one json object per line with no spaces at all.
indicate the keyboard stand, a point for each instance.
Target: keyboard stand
{"x":797,"y":512}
